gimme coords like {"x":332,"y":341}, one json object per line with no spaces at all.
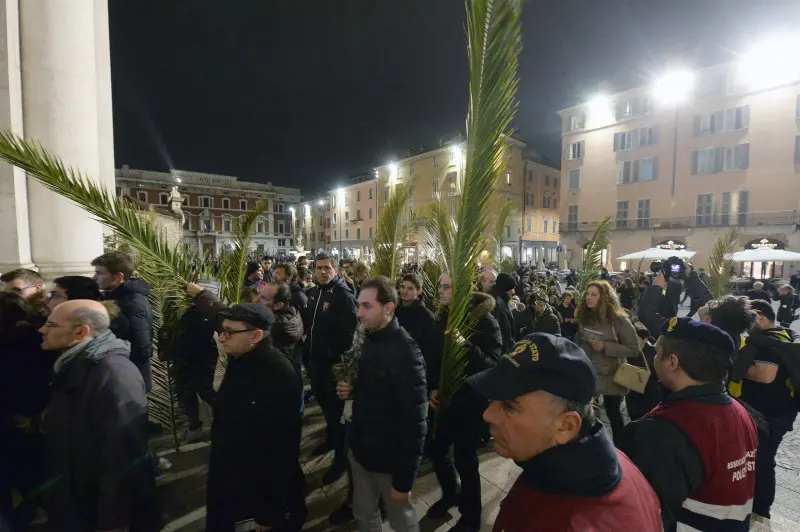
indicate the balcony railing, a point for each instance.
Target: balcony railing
{"x":751,"y":219}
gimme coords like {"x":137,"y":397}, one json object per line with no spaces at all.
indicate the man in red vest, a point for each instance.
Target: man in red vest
{"x":573,"y":479}
{"x":698,"y":447}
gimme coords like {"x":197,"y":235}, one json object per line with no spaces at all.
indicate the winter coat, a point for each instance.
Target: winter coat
{"x":758,"y":294}
{"x":696,"y":289}
{"x":287,"y":331}
{"x":132,"y":299}
{"x":192,"y":341}
{"x":330,"y":322}
{"x":568,"y":325}
{"x":788,"y":304}
{"x":621,"y":342}
{"x":255,"y":440}
{"x":97,"y":442}
{"x":299,"y":298}
{"x":390,"y":407}
{"x":627,"y":296}
{"x":120,"y":325}
{"x":505,"y":319}
{"x":420,"y":324}
{"x":529,"y":321}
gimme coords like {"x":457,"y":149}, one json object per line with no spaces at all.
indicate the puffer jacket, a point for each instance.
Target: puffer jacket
{"x":132,"y":299}
{"x":120,"y":325}
{"x":287,"y":331}
{"x":621,"y":342}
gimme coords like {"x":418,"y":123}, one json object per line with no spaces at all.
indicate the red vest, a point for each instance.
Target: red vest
{"x":726,"y":437}
{"x":632,"y":505}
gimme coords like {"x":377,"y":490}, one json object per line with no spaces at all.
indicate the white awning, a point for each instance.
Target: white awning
{"x":764,"y":255}
{"x":658,"y":254}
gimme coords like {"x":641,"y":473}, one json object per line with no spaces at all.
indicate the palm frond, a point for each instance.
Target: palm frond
{"x":430,"y":272}
{"x":438,"y":237}
{"x":719,"y":264}
{"x":494,"y":42}
{"x":499,"y":232}
{"x":594,"y":255}
{"x":233,"y":262}
{"x":391,"y":233}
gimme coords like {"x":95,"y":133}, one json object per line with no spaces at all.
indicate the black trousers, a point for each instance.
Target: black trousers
{"x":462,"y":427}
{"x":613,"y":404}
{"x":194,"y":378}
{"x":332,"y":407}
{"x":765,"y":465}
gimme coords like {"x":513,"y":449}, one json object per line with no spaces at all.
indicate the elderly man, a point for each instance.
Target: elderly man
{"x":541,"y":416}
{"x":487,"y":279}
{"x":95,"y":427}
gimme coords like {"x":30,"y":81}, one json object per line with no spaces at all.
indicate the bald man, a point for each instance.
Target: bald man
{"x":95,"y":427}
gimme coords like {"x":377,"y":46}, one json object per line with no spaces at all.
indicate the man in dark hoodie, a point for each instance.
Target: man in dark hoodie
{"x":765,"y":378}
{"x":414,"y":316}
{"x":330,"y":324}
{"x":254,"y":274}
{"x":285,"y":272}
{"x":503,"y":290}
{"x":113,"y":272}
{"x":573,"y":479}
{"x":460,"y":422}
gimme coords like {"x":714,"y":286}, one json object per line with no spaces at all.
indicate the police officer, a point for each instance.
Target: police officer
{"x":698,"y":447}
{"x":541,"y":416}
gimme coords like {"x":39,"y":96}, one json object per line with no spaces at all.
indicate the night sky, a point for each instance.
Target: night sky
{"x":278,"y":90}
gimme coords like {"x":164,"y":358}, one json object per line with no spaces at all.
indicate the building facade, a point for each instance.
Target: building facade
{"x":213,"y":205}
{"x":719,"y":150}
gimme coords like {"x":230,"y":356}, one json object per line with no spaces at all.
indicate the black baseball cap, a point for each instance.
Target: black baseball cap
{"x":253,"y":314}
{"x":540,"y":362}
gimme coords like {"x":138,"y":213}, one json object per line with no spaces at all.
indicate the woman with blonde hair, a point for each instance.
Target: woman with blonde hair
{"x":606,"y":334}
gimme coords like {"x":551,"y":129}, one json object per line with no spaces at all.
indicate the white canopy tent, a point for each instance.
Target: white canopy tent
{"x":764,"y":255}
{"x":658,"y":254}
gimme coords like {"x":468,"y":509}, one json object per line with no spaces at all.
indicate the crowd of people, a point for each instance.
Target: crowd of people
{"x":690,"y":446}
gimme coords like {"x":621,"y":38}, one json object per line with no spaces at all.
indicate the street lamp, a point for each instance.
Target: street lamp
{"x":674,"y":87}
{"x":599,"y":110}
{"x":771,"y":63}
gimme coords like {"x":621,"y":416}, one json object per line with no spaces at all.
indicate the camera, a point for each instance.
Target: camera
{"x":672,"y":268}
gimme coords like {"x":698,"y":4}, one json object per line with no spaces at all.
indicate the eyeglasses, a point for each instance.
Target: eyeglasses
{"x":228,"y":332}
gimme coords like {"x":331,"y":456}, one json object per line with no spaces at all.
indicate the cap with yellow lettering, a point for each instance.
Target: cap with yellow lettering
{"x":540,"y":362}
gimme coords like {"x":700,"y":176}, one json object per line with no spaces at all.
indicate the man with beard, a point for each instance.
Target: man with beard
{"x":26,"y":283}
{"x":330,"y":323}
{"x":414,"y":316}
{"x":460,"y":422}
{"x":388,"y":425}
{"x":254,"y":475}
{"x":769,"y":385}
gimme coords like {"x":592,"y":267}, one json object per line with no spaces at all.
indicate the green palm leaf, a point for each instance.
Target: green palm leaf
{"x":233,"y":262}
{"x":494,"y":42}
{"x":438,"y":237}
{"x":391,"y":233}
{"x":719,"y":264}
{"x":498,"y":233}
{"x":594,"y":255}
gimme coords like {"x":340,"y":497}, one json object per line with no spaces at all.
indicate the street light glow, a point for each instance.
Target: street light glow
{"x":673,"y":87}
{"x":458,"y":155}
{"x":321,"y":203}
{"x":600,"y":110}
{"x":771,"y":63}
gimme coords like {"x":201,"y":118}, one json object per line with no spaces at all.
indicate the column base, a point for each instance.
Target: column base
{"x":50,"y":271}
{"x":8,"y":266}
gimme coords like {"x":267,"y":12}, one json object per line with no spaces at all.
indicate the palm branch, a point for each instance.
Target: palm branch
{"x":391,"y":233}
{"x":233,"y":262}
{"x":438,"y":238}
{"x":494,"y":42}
{"x":498,"y":233}
{"x":594,"y":255}
{"x":719,"y":263}
{"x":430,"y":272}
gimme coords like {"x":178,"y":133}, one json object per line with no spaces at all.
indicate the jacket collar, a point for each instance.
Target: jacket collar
{"x":712,"y":393}
{"x":386,"y":332}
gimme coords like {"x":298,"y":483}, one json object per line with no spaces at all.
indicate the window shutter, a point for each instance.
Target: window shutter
{"x":743,"y":153}
{"x":635,"y":138}
{"x":695,"y":156}
{"x":654,"y":135}
{"x":797,"y":149}
{"x":746,"y":117}
{"x":635,"y":171}
{"x":616,"y":141}
{"x":698,"y":126}
{"x":621,"y":173}
{"x":730,"y":119}
{"x":719,"y":159}
{"x":655,"y":167}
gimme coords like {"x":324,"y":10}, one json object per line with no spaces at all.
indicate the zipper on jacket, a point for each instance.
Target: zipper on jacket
{"x":313,"y":323}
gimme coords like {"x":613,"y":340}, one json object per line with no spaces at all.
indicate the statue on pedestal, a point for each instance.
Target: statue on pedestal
{"x":175,"y":201}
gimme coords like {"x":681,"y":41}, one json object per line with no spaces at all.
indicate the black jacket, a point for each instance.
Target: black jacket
{"x":390,"y":406}
{"x":664,"y":453}
{"x":330,"y":322}
{"x":299,"y":297}
{"x":651,"y":309}
{"x":287,"y":331}
{"x":788,"y":304}
{"x":193,"y":339}
{"x":696,"y":289}
{"x":627,"y":296}
{"x":132,"y":299}
{"x":529,"y":322}
{"x":758,"y":294}
{"x":97,"y":446}
{"x":505,"y":319}
{"x":255,"y":440}
{"x":420,"y":324}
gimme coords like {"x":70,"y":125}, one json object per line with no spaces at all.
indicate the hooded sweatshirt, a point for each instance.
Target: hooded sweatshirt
{"x":584,"y":485}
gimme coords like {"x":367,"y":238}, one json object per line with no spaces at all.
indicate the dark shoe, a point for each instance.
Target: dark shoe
{"x":463,"y":526}
{"x":320,"y":449}
{"x":441,"y":508}
{"x":333,"y":474}
{"x":342,"y":515}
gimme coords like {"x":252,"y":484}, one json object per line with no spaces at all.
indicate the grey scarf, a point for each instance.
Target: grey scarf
{"x":93,"y":349}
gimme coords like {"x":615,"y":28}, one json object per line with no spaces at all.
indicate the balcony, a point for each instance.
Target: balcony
{"x":751,"y":219}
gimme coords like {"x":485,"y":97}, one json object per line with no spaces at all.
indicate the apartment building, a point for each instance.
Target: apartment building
{"x":214,"y":204}
{"x":676,"y":162}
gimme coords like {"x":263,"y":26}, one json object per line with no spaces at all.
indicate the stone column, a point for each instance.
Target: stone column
{"x":66,"y":104}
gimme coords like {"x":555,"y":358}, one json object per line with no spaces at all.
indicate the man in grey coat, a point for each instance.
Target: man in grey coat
{"x":101,"y":474}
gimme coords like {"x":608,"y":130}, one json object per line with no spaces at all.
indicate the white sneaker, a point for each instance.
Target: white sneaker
{"x":759,"y":523}
{"x":192,"y":435}
{"x":163,"y":464}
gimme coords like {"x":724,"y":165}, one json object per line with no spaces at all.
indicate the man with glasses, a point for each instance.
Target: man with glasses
{"x":26,"y":283}
{"x":254,"y":475}
{"x":95,"y":427}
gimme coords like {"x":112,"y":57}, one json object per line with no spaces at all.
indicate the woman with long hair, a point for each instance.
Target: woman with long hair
{"x":627,"y":294}
{"x":606,"y":334}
